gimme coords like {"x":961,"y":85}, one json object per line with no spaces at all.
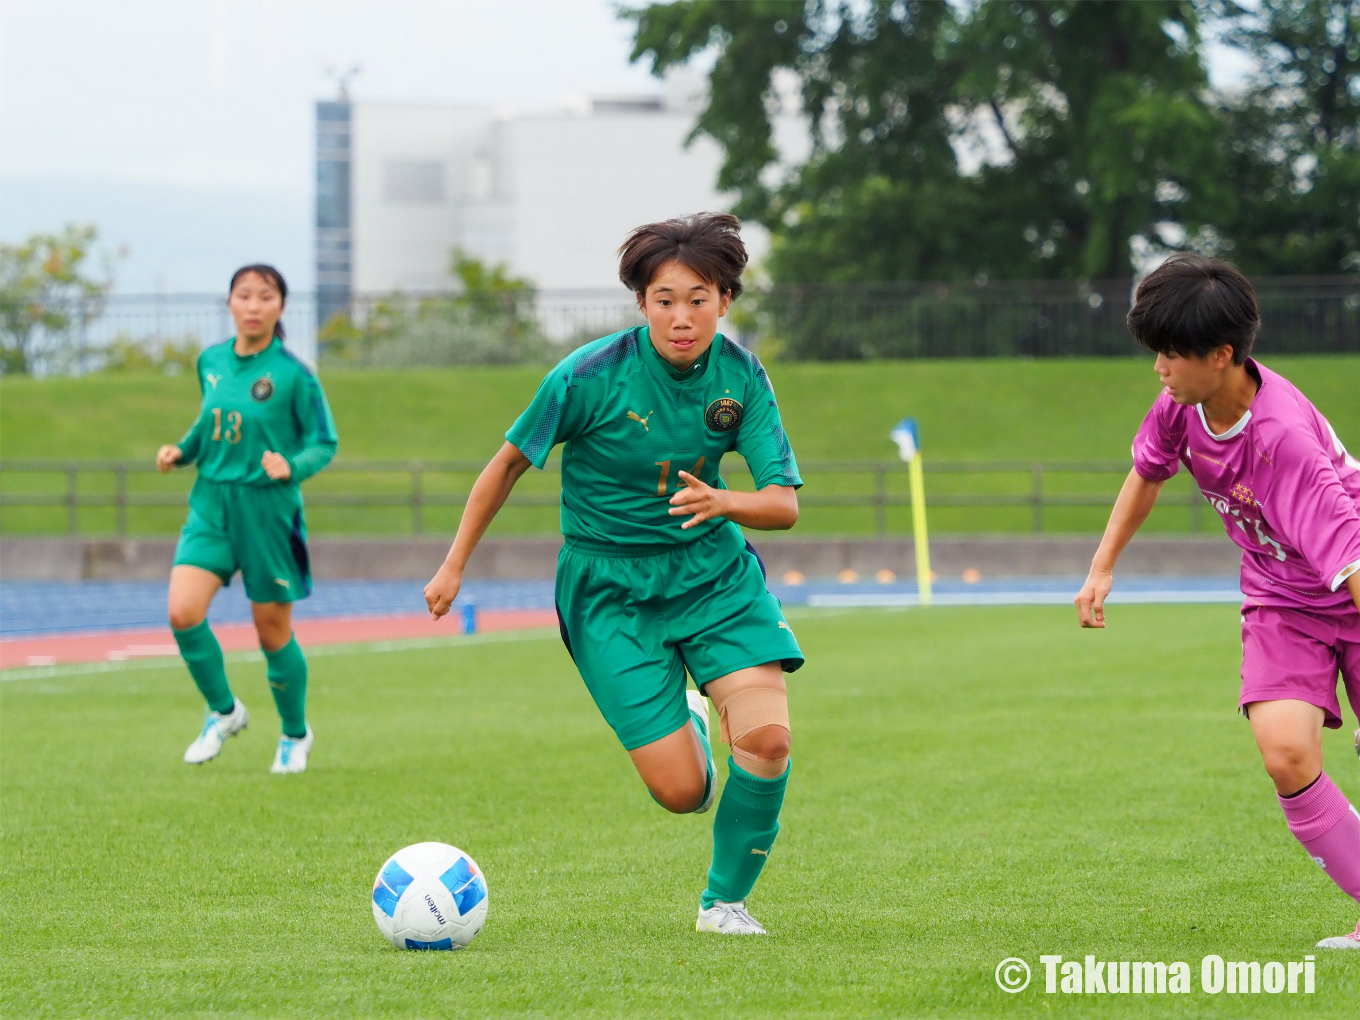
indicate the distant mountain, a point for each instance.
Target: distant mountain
{"x":177,"y":240}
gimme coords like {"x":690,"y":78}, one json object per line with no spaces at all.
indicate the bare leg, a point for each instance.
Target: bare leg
{"x":191,"y":593}
{"x":273,"y":623}
{"x":1289,"y":734}
{"x":674,"y":769}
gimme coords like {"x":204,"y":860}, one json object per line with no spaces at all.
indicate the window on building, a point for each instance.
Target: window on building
{"x":417,"y":181}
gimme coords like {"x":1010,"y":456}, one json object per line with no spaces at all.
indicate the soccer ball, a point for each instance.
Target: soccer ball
{"x":430,"y":896}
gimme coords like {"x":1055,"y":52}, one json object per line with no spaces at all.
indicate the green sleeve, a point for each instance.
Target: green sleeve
{"x":557,"y":414}
{"x":761,"y":439}
{"x":319,"y":439}
{"x":192,"y":443}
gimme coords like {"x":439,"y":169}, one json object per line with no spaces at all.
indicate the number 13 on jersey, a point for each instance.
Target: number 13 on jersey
{"x":232,"y":433}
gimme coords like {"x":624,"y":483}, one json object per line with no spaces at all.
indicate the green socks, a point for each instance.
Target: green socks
{"x":287,"y":676}
{"x":743,"y":833}
{"x":287,"y":670}
{"x":203,"y":655}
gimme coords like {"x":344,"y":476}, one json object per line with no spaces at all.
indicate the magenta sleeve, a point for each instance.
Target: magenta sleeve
{"x":1157,"y":449}
{"x":1310,"y":508}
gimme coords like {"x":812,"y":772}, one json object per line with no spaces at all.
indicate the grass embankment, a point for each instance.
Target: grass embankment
{"x":968,"y":785}
{"x":1004,"y":409}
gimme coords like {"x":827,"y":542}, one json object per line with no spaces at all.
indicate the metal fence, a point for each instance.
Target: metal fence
{"x":1047,"y":318}
{"x":415,"y":498}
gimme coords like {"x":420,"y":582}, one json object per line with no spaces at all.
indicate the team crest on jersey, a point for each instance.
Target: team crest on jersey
{"x":262,"y":390}
{"x":723,"y":415}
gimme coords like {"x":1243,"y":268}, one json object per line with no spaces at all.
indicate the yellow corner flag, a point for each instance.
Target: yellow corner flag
{"x":907,"y":436}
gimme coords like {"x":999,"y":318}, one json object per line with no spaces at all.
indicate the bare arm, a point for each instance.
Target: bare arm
{"x":1131,"y":509}
{"x":488,"y":495}
{"x":1353,"y":583}
{"x":773,"y":508}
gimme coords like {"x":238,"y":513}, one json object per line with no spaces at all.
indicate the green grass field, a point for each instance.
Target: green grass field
{"x":969,"y":785}
{"x":995,"y":409}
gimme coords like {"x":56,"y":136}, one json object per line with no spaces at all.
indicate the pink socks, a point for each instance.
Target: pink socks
{"x":1329,"y":828}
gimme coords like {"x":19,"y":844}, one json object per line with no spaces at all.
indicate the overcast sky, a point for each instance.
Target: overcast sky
{"x":135,"y":113}
{"x":184,"y":128}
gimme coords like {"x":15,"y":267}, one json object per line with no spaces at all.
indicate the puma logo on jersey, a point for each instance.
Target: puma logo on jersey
{"x":762,"y":853}
{"x":213,"y":380}
{"x":281,"y":582}
{"x":785,"y":626}
{"x":643,"y":421}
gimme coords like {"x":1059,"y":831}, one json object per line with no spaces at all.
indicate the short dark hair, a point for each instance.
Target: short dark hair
{"x":708,"y":244}
{"x":272,"y":277}
{"x":1191,"y":304}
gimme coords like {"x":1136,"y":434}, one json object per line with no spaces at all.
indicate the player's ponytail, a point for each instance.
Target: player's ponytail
{"x":274,"y":278}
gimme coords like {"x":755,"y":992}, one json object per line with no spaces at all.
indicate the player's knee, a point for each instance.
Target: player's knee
{"x":273,"y":638}
{"x":770,"y":743}
{"x":1290,"y":765}
{"x":273,"y":630}
{"x":184,"y":617}
{"x":679,"y":794}
{"x":755,"y":724}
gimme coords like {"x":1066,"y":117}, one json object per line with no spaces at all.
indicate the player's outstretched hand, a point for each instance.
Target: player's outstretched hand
{"x":697,"y":498}
{"x":441,"y":591}
{"x":1090,"y":600}
{"x":167,"y":457}
{"x":276,"y":466}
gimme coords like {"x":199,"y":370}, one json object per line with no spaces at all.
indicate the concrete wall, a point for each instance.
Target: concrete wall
{"x":417,"y":559}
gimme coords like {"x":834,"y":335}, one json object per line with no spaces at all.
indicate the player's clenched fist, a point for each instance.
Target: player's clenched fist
{"x":167,"y":457}
{"x":697,"y":498}
{"x":1090,"y":600}
{"x":441,"y":591}
{"x":276,"y":466}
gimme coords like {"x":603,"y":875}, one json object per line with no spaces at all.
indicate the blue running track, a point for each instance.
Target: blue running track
{"x":28,"y":608}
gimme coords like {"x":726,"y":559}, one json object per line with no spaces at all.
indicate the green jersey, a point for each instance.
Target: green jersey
{"x":631,"y":423}
{"x":265,"y":401}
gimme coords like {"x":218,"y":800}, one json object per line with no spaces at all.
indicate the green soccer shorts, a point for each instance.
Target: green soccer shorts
{"x":635,"y":618}
{"x":256,"y":529}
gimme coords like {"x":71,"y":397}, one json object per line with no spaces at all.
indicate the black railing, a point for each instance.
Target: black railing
{"x":418,"y":497}
{"x":1054,"y":318}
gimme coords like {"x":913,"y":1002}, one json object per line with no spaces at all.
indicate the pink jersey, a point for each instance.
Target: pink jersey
{"x":1287,"y":490}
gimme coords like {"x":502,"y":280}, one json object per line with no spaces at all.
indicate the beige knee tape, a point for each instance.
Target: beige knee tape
{"x":747,"y":710}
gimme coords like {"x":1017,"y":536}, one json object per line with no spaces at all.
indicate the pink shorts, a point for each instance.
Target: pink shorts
{"x":1294,"y":654}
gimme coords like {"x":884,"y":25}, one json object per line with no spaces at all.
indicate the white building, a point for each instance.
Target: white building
{"x":550,"y":193}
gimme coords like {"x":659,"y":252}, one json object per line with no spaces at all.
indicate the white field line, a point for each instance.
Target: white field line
{"x":89,"y":668}
{"x":1170,"y":597}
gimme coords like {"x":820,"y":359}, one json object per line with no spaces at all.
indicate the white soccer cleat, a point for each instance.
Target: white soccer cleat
{"x":216,"y":729}
{"x":728,"y":919}
{"x":1351,"y":941}
{"x":698,"y":704}
{"x":291,"y":754}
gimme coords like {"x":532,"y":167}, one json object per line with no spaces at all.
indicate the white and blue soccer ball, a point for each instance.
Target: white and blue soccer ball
{"x":430,"y":896}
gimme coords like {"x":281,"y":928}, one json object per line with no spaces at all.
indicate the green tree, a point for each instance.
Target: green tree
{"x":490,"y":319}
{"x":1029,"y":138}
{"x":1292,"y":149}
{"x":1085,"y":124}
{"x":47,"y":299}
